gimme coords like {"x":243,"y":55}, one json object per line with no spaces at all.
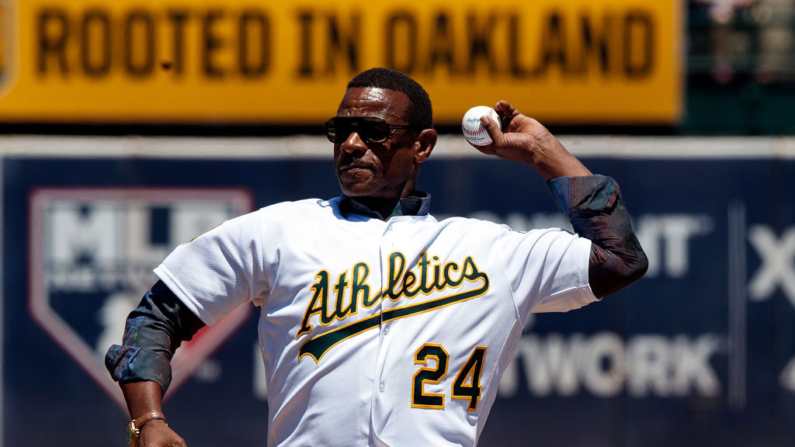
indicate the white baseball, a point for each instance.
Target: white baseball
{"x":474,"y":132}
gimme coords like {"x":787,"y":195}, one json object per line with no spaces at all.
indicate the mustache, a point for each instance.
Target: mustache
{"x":358,"y":164}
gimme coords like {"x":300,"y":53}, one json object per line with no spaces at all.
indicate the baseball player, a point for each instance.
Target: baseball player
{"x":380,"y":325}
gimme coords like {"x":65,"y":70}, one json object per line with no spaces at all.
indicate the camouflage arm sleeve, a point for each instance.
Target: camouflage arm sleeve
{"x":596,"y":210}
{"x":154,"y":331}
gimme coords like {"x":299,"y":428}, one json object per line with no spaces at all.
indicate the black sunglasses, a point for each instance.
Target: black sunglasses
{"x":370,"y":129}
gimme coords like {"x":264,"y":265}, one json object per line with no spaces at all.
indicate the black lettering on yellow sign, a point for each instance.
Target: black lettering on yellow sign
{"x":226,"y":43}
{"x":97,"y":43}
{"x":595,"y":44}
{"x":305,"y":68}
{"x":342,"y":40}
{"x":139,"y":31}
{"x":608,"y":43}
{"x":514,"y":68}
{"x":95,"y":27}
{"x":400,"y":40}
{"x":254,"y":34}
{"x":212,"y":43}
{"x":553,"y":51}
{"x":177,"y":21}
{"x":53,"y":32}
{"x":442,"y":44}
{"x":342,"y":44}
{"x":480,"y":38}
{"x":638,"y":30}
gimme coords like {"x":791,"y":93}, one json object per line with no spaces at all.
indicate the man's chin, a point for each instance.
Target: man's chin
{"x":357,"y":183}
{"x":356,"y":190}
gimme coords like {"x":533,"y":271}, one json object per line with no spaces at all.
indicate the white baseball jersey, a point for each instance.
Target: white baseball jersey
{"x":379,"y":333}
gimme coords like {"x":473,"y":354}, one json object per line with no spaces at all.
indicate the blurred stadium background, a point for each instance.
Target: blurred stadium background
{"x":129,"y":127}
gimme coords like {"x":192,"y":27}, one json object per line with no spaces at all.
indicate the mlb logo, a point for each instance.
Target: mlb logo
{"x":92,"y":251}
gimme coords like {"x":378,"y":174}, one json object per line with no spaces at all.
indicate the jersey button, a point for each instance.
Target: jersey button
{"x":381,"y":387}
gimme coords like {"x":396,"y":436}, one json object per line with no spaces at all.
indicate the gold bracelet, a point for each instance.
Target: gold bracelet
{"x":135,"y":425}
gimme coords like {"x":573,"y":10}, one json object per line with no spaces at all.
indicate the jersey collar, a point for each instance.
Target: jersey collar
{"x":417,"y":204}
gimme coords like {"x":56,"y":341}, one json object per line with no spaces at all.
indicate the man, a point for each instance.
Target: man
{"x":380,"y":325}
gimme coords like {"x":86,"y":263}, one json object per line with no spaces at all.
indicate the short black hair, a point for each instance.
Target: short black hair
{"x":420,"y":111}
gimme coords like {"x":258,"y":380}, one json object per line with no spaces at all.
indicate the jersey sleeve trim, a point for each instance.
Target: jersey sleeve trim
{"x":576,"y":297}
{"x":190,"y":302}
{"x":557,"y":284}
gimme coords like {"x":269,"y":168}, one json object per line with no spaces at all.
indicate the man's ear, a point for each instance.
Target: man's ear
{"x":424,"y":144}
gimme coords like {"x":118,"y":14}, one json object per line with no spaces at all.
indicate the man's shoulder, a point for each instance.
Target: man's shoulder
{"x":310,"y":203}
{"x":487,"y":226}
{"x":468,"y":222}
{"x":298,"y":209}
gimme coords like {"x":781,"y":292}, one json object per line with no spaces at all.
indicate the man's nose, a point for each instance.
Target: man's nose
{"x":353,"y":143}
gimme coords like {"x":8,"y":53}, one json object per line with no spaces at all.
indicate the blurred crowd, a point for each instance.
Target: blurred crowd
{"x":742,"y":38}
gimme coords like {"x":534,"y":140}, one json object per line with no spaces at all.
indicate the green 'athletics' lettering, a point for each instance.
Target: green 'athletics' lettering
{"x":401,"y":283}
{"x":439,"y":279}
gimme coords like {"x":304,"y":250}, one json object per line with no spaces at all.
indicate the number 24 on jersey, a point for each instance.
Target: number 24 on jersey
{"x":466,"y":385}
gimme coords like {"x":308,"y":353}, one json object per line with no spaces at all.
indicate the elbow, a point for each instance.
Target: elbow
{"x":634,"y":269}
{"x":639,"y":268}
{"x":617,"y":273}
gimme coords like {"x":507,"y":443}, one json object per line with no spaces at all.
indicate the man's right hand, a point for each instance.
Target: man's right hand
{"x":143,"y":397}
{"x":524,"y":139}
{"x":157,"y":434}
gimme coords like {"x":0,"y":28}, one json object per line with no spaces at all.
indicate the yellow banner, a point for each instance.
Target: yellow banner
{"x":287,"y":62}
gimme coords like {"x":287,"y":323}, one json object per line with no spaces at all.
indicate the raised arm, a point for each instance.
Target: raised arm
{"x":593,"y":203}
{"x":142,"y":364}
{"x":596,"y":210}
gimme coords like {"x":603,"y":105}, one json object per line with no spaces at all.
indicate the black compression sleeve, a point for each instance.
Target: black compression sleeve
{"x":154,"y":331}
{"x":596,"y":210}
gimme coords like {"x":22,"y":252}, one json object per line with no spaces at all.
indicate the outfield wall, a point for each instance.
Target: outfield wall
{"x":699,"y":352}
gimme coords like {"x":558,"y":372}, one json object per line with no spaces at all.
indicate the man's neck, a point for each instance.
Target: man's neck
{"x":384,"y":207}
